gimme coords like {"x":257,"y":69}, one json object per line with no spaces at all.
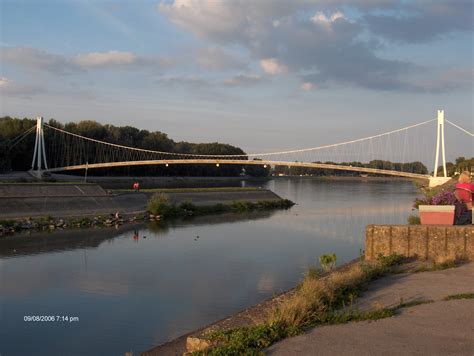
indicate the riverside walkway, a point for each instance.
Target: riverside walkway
{"x":438,"y":328}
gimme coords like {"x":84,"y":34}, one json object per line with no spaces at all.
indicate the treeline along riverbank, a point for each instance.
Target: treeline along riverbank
{"x":19,"y":158}
{"x":16,"y":154}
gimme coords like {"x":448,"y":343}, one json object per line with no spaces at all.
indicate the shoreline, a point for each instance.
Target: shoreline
{"x":51,"y":207}
{"x":242,"y":318}
{"x":411,"y":270}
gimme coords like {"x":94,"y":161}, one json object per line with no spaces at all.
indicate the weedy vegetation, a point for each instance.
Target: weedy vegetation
{"x":316,"y":301}
{"x":159,"y":204}
{"x":460,"y":296}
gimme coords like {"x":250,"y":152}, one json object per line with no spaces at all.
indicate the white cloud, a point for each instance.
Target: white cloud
{"x":94,"y":59}
{"x":273,"y":66}
{"x":4,"y":82}
{"x":316,"y":40}
{"x":307,"y":86}
{"x":204,"y":16}
{"x":320,"y":17}
{"x":35,"y":59}
{"x":39,"y":60}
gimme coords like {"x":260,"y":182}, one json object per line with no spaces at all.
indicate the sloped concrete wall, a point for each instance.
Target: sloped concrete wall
{"x":50,"y":190}
{"x":12,"y":208}
{"x":425,"y":242}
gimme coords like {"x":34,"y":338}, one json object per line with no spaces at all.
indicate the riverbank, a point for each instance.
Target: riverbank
{"x":43,"y":207}
{"x":400,"y":287}
{"x":437,"y":319}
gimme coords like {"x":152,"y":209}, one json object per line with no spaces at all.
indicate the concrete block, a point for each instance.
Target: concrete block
{"x":418,"y":242}
{"x":400,"y":240}
{"x":381,"y":240}
{"x":369,"y":238}
{"x":456,"y":243}
{"x":469,"y":234}
{"x":437,"y":243}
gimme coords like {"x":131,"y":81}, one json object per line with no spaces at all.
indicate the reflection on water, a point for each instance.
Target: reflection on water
{"x":140,"y":286}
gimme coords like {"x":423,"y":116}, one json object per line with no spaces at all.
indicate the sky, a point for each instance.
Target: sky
{"x":262,"y":75}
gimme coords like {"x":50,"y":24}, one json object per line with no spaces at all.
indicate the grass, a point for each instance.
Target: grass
{"x":159,"y":205}
{"x":316,"y":301}
{"x":413,"y":303}
{"x":414,"y":220}
{"x":460,"y":296}
{"x":435,"y":267}
{"x":188,"y":190}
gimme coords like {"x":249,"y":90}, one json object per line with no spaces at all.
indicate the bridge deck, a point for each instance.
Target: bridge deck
{"x":243,"y":162}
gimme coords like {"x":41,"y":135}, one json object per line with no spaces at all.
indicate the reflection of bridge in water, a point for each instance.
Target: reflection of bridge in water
{"x":66,"y":151}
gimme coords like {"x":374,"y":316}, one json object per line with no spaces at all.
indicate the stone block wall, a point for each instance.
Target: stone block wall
{"x":439,"y":243}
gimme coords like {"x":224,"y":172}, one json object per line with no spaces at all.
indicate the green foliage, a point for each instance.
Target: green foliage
{"x":413,"y":303}
{"x":20,"y":157}
{"x":328,"y":262}
{"x":329,"y":309}
{"x":435,"y":267}
{"x":414,"y":220}
{"x":248,"y":341}
{"x":411,"y":167}
{"x":460,"y":296}
{"x":390,"y":260}
{"x":158,"y":204}
{"x":188,"y":206}
{"x":313,"y":272}
{"x":459,"y":165}
{"x":356,"y":315}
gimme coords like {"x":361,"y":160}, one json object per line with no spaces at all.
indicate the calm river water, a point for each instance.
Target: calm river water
{"x":131,"y":294}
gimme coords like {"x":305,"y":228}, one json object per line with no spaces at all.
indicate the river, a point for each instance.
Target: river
{"x":126,"y":290}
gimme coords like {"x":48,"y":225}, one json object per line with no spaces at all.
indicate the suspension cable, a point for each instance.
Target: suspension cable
{"x":460,"y":128}
{"x":20,"y":137}
{"x":235,"y":155}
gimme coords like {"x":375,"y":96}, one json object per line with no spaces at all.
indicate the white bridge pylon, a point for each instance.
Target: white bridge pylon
{"x":115,"y":155}
{"x":39,"y":154}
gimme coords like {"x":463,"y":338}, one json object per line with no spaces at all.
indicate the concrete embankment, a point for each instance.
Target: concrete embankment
{"x":64,"y":200}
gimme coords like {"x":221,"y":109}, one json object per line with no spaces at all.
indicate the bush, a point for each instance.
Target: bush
{"x":158,"y":204}
{"x":328,"y":262}
{"x":414,"y":220}
{"x":188,"y":206}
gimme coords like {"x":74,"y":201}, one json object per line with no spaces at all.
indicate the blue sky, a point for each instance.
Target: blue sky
{"x":264,"y":75}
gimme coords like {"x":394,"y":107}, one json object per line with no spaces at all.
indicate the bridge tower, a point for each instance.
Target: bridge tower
{"x":435,"y":180}
{"x":39,"y":155}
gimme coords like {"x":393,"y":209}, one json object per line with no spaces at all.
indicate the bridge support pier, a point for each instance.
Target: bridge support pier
{"x":435,"y":180}
{"x":39,"y":154}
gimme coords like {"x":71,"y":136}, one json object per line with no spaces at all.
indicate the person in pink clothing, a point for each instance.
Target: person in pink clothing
{"x":464,"y":192}
{"x":464,"y":189}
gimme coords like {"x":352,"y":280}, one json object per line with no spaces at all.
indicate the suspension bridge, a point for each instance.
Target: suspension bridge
{"x":68,"y":151}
